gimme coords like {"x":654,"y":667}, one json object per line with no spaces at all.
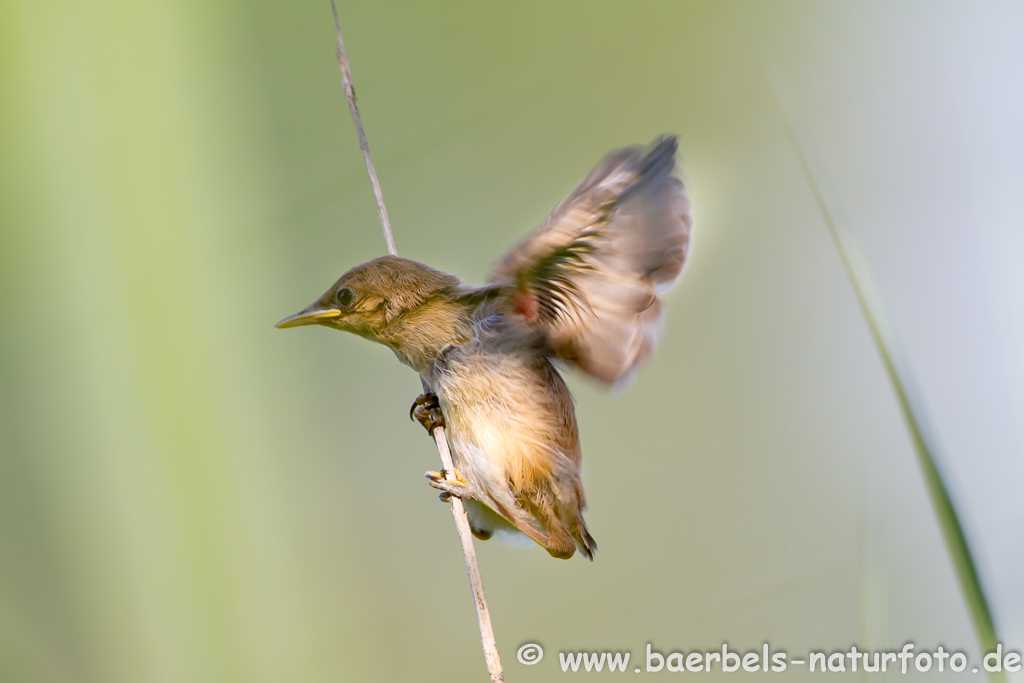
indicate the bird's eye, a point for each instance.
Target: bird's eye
{"x":344,"y":297}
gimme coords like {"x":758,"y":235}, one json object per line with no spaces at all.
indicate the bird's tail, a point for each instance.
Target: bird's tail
{"x":585,"y":542}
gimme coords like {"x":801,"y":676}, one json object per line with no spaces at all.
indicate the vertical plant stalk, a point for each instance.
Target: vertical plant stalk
{"x":483,"y":615}
{"x":921,"y":431}
{"x":350,"y":95}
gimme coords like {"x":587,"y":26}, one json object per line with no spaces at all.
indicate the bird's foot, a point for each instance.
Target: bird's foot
{"x":426,"y":410}
{"x":459,"y":486}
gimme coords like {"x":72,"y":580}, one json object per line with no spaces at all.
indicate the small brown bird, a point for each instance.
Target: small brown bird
{"x":583,"y":289}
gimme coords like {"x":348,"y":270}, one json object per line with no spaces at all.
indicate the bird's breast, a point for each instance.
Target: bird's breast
{"x":509,"y":416}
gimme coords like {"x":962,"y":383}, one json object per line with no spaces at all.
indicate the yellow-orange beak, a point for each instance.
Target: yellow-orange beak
{"x":313,"y":315}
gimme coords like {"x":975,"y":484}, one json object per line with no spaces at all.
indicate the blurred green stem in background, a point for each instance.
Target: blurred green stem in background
{"x":921,"y":431}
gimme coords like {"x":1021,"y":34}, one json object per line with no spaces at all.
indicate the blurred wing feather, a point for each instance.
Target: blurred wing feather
{"x":591,"y":275}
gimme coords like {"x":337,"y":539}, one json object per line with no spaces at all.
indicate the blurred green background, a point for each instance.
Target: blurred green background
{"x":187,"y":494}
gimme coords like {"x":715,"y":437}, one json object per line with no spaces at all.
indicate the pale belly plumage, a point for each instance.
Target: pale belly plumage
{"x":512,"y":429}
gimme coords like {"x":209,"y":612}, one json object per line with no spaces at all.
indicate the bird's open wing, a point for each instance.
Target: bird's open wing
{"x":590,"y":276}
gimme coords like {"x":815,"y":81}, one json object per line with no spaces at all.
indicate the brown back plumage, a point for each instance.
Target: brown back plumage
{"x":590,"y":276}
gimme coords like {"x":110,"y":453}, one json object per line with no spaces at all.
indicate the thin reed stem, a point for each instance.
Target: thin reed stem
{"x":483,"y":615}
{"x":350,"y":95}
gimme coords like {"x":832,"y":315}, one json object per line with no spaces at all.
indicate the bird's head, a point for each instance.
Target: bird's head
{"x":368,"y":298}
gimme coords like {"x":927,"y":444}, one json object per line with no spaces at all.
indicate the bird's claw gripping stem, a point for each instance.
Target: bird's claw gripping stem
{"x":426,"y":410}
{"x":459,"y":486}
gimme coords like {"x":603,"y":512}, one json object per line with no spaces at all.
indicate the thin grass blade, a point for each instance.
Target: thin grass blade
{"x":922,"y":433}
